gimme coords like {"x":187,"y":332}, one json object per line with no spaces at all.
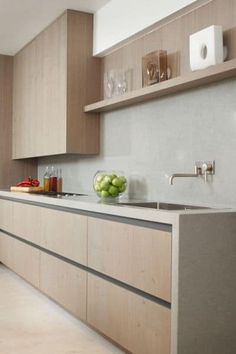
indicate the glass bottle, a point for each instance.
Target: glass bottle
{"x":46,"y":178}
{"x":59,"y":182}
{"x":53,"y":181}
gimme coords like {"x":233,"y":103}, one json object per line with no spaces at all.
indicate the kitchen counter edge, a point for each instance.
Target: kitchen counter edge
{"x":94,"y":205}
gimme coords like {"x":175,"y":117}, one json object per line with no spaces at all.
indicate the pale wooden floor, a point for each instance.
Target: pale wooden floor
{"x":30,"y":323}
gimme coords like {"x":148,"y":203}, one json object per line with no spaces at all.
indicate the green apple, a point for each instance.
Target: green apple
{"x":122,"y":188}
{"x":97,"y":187}
{"x":113,"y":176}
{"x":117,"y":182}
{"x":123,"y":179}
{"x":107,"y":179}
{"x":113,"y":191}
{"x":99,"y":178}
{"x":104,"y":185}
{"x":104,"y":194}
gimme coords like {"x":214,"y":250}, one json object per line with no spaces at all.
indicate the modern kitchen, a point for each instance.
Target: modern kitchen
{"x":117,"y":151}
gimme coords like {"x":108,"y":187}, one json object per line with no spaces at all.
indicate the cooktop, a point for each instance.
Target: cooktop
{"x":59,"y":194}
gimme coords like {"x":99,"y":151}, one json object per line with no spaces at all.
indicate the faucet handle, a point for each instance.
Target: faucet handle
{"x":205,"y":171}
{"x":206,"y":168}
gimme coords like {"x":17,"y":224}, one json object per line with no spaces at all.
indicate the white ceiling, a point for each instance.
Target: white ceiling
{"x":22,"y":20}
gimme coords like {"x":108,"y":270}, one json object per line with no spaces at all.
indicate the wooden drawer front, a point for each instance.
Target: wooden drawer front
{"x":64,"y":283}
{"x":21,"y":258}
{"x":135,"y":255}
{"x":138,"y":324}
{"x":6,"y":250}
{"x":27,"y":222}
{"x":6,"y":215}
{"x":65,"y":233}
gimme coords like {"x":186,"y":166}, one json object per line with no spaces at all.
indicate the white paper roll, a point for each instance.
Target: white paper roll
{"x":206,"y":47}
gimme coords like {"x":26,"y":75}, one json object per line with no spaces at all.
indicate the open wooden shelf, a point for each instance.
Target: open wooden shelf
{"x":175,"y":85}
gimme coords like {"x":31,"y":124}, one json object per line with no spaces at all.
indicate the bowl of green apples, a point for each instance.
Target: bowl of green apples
{"x":109,"y":184}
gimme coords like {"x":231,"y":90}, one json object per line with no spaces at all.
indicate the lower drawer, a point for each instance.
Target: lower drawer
{"x":21,"y":258}
{"x":136,"y":323}
{"x":64,"y":283}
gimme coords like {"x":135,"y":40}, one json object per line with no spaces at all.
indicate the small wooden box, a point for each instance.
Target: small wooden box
{"x":154,"y":67}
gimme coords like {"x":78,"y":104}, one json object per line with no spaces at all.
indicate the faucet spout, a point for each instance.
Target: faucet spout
{"x":201,"y":168}
{"x":171,"y":178}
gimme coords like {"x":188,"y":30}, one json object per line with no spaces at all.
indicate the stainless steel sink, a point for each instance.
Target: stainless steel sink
{"x":163,"y":206}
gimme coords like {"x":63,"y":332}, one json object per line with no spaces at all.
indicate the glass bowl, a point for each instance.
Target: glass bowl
{"x":109,"y":184}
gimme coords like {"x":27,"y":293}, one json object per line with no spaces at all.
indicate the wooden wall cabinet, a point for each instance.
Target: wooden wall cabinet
{"x":11,"y":171}
{"x":54,"y":76}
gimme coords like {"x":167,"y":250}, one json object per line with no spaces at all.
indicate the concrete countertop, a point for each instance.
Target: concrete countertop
{"x":93,"y":204}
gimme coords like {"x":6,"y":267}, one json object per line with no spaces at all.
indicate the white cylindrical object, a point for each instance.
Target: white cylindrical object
{"x":206,"y":47}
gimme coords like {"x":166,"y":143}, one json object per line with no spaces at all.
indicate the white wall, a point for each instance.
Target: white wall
{"x":120,"y":19}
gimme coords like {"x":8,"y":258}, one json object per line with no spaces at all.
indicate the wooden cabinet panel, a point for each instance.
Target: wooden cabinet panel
{"x":26,"y":262}
{"x":51,"y":86}
{"x":23,"y":101}
{"x":40,"y":94}
{"x":21,"y":258}
{"x":83,"y":85}
{"x":27,"y":222}
{"x":138,"y":324}
{"x":11,"y":171}
{"x":135,"y":255}
{"x":6,"y":250}
{"x":6,"y":215}
{"x":61,"y":232}
{"x":65,"y":233}
{"x":64,"y":283}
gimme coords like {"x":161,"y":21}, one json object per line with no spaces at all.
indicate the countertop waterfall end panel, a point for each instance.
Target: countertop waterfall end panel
{"x":171,"y":35}
{"x":55,"y":75}
{"x":203,"y":285}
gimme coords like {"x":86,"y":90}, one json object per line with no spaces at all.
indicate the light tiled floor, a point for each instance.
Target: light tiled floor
{"x":30,"y":323}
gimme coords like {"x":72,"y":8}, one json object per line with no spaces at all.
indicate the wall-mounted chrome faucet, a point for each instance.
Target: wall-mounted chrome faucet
{"x":202,"y":168}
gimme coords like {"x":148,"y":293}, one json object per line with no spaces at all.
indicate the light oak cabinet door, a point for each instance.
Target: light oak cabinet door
{"x":6,"y":215}
{"x":54,"y":77}
{"x":138,"y":256}
{"x":64,"y":283}
{"x":65,"y":233}
{"x":61,"y":232}
{"x":6,"y":250}
{"x":137,"y":324}
{"x":27,"y":222}
{"x":21,"y":258}
{"x":11,"y":171}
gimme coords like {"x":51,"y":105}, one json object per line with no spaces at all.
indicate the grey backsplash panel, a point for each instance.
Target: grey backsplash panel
{"x":153,"y":140}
